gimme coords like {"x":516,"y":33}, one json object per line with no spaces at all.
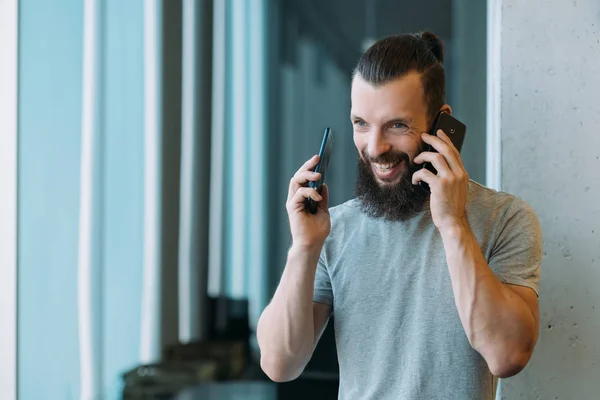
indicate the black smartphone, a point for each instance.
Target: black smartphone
{"x":452,"y":127}
{"x":324,"y":157}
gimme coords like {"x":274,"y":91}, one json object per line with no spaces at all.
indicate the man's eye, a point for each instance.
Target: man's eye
{"x":360,"y":123}
{"x":399,"y":125}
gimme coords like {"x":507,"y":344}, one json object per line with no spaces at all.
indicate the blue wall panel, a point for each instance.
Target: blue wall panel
{"x":49,"y":149}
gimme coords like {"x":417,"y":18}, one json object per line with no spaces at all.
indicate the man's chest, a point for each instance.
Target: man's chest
{"x":386,"y":267}
{"x":399,"y":294}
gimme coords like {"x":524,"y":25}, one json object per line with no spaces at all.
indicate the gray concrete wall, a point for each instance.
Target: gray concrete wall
{"x":551,"y":157}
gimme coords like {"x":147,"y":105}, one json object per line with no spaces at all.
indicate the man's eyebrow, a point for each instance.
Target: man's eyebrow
{"x":407,"y":121}
{"x":394,"y":119}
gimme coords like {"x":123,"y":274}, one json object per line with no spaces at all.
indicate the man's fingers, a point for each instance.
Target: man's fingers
{"x":303,"y":175}
{"x":442,"y":135}
{"x":300,"y":179}
{"x":444,"y":148}
{"x":301,"y":195}
{"x":437,"y":160}
{"x":424,"y":175}
{"x":310,"y":163}
{"x":324,"y":204}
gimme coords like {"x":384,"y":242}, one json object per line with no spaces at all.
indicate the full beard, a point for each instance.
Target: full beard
{"x":393,"y":202}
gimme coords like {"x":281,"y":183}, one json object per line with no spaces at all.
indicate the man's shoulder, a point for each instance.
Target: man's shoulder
{"x":345,"y":219}
{"x":493,"y":205}
{"x":345,"y":210}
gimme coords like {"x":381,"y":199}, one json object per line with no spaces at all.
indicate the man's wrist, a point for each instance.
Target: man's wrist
{"x":456,"y":230}
{"x":307,"y":253}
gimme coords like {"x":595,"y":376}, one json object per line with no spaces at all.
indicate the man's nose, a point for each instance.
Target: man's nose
{"x":378,"y":144}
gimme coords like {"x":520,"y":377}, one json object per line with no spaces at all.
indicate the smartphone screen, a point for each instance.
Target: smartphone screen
{"x":455,"y":130}
{"x":324,"y":157}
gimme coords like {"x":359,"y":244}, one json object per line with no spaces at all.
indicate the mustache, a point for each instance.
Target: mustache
{"x":391,"y":157}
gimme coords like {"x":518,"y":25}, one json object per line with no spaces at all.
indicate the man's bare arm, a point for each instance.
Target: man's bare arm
{"x":500,"y":320}
{"x":291,"y":325}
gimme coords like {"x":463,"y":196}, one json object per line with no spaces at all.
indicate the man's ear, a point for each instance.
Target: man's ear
{"x":446,"y":108}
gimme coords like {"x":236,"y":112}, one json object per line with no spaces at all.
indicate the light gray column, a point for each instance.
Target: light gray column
{"x":89,"y":272}
{"x":550,"y":114}
{"x":150,"y":339}
{"x":9,"y":22}
{"x":494,"y":95}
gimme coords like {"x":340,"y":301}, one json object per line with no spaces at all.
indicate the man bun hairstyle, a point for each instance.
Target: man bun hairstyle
{"x":395,"y":56}
{"x":435,"y":45}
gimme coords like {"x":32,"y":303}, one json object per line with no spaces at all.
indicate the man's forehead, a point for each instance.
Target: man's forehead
{"x":404,"y":93}
{"x":407,"y":82}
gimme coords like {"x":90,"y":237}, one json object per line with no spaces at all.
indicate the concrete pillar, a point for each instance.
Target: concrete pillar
{"x":550,"y":155}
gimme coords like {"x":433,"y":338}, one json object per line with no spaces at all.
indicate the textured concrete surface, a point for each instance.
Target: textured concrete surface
{"x":551,"y":158}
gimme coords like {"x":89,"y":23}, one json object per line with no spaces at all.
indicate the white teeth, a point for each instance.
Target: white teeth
{"x":384,"y":167}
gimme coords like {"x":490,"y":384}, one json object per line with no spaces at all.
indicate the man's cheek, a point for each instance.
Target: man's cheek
{"x":363,"y":155}
{"x":412,"y":143}
{"x":358,"y":143}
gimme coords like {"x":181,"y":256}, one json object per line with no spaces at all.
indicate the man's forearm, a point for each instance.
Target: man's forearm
{"x":497,"y":321}
{"x":285,"y":330}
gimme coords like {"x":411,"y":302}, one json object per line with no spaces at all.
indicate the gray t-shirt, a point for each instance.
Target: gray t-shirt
{"x":397,"y":329}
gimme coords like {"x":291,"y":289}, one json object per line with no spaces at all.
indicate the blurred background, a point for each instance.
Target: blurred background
{"x":156,"y":143}
{"x":156,"y":140}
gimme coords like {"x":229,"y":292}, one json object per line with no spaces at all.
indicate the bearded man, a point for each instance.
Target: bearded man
{"x":434,"y":292}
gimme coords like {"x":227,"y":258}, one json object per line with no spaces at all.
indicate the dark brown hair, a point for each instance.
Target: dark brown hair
{"x":392,"y":57}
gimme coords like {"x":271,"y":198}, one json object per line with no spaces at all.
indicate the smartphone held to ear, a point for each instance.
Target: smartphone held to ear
{"x":454,"y":129}
{"x":324,"y":157}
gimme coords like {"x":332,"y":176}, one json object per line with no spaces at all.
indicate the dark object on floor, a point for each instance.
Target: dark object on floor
{"x":230,"y":358}
{"x":228,"y":343}
{"x":221,"y":367}
{"x":158,"y":381}
{"x":223,"y":356}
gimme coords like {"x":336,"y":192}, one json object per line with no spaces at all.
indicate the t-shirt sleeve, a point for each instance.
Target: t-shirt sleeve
{"x":323,"y":292}
{"x":517,"y":252}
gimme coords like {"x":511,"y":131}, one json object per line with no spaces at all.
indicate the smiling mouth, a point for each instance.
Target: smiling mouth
{"x":386,"y":172}
{"x":383,"y":168}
